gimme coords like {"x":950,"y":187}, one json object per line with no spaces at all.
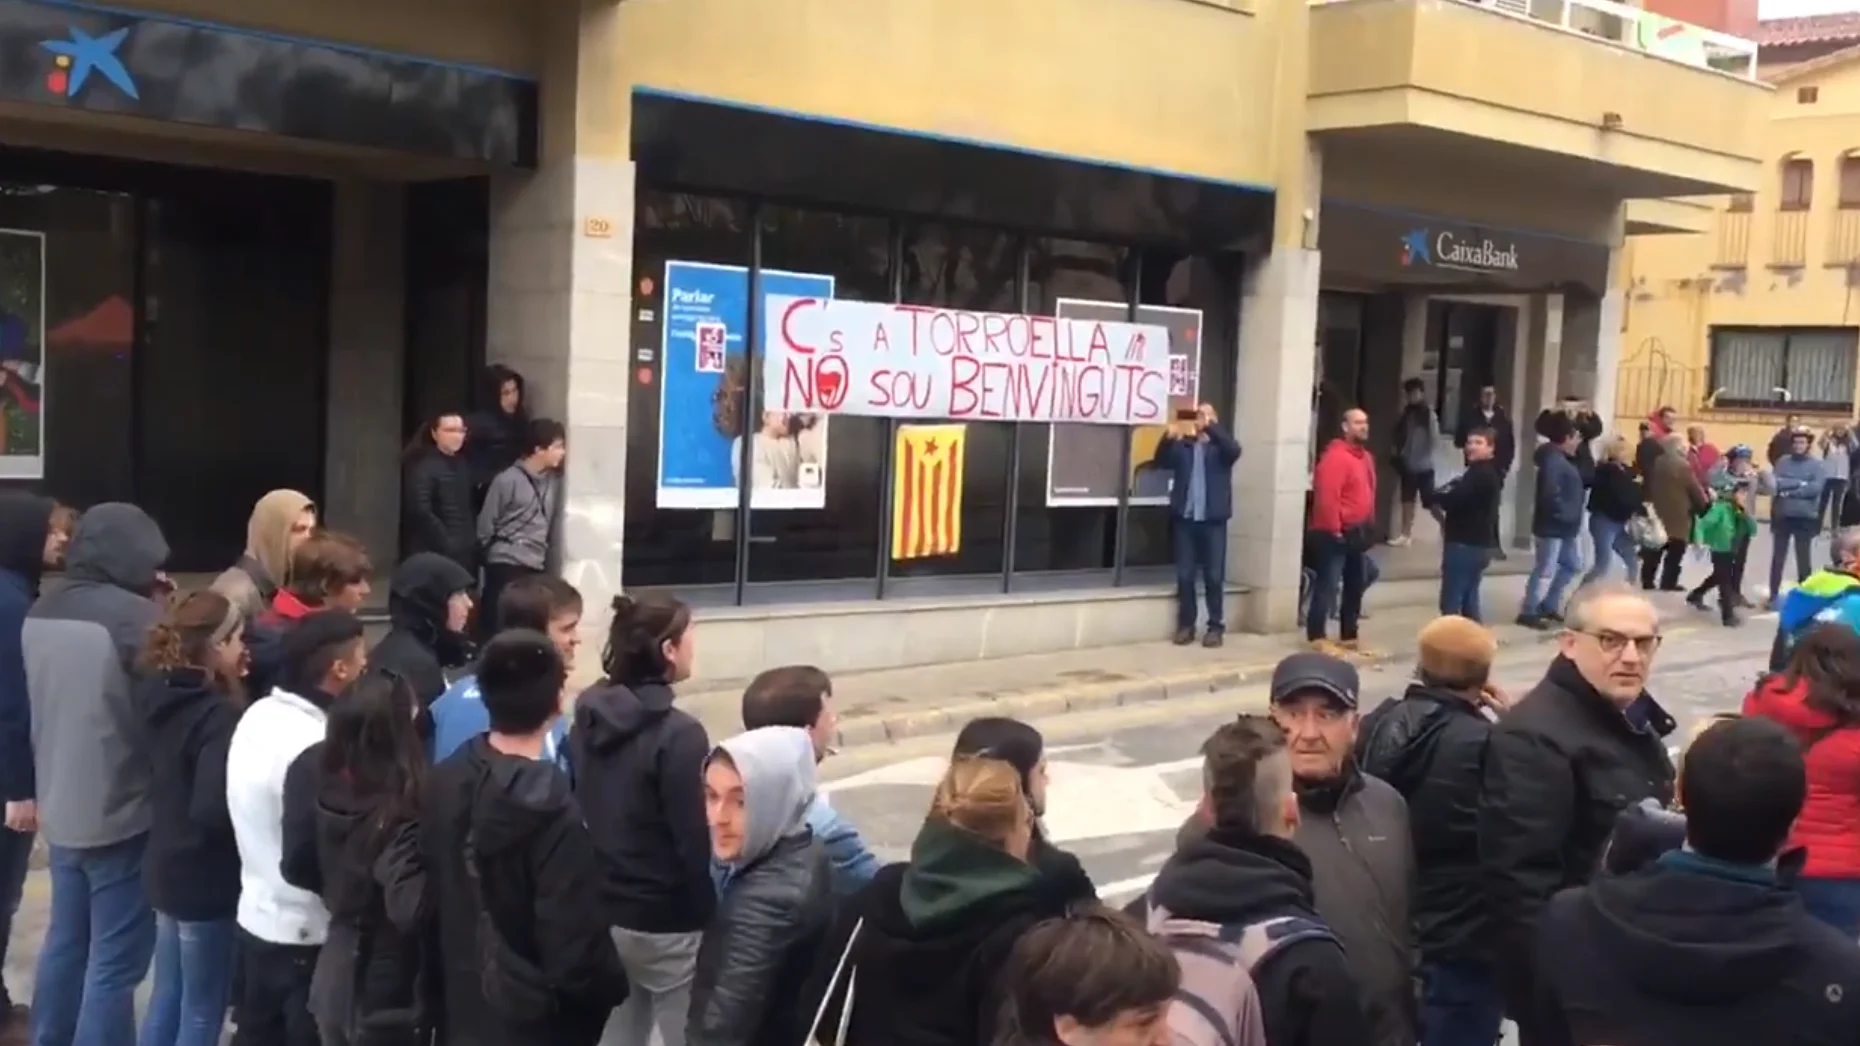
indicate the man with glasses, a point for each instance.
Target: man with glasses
{"x":1585,"y":743}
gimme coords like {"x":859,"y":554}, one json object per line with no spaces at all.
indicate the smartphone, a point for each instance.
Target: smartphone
{"x":1188,"y":414}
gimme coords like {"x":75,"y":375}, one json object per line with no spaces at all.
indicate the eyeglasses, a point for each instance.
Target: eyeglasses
{"x":1613,"y":643}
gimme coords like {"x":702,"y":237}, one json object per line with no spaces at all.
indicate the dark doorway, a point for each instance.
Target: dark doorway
{"x":1462,"y":355}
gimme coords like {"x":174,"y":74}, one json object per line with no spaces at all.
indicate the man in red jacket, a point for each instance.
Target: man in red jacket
{"x":1343,"y":513}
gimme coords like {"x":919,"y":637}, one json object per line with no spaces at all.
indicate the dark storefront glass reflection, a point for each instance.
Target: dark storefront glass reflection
{"x":966,"y":268}
{"x":664,"y":546}
{"x":840,"y":539}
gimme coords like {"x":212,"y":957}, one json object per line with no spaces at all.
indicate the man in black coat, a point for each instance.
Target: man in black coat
{"x":1489,"y":415}
{"x":1586,"y":742}
{"x":1708,"y":946}
{"x":1587,"y":426}
{"x":1430,"y":746}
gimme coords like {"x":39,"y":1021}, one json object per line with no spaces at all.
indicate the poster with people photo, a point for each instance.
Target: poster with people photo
{"x":22,"y":354}
{"x":1082,"y":460}
{"x":704,"y":377}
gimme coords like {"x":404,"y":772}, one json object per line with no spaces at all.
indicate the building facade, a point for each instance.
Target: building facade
{"x":1754,"y":319}
{"x":253,"y":245}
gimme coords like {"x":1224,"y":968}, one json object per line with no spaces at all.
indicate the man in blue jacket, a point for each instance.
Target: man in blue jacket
{"x":1199,"y":455}
{"x":1556,"y":524}
{"x":1830,"y":596}
{"x":1794,"y":485}
{"x":29,"y":542}
{"x":539,"y":603}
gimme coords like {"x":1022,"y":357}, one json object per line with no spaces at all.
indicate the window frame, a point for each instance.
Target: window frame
{"x":1803,"y":201}
{"x":1716,"y":336}
{"x":1847,"y":197}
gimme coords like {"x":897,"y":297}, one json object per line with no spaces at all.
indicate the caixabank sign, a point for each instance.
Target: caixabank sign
{"x":107,"y":60}
{"x":1396,"y":248}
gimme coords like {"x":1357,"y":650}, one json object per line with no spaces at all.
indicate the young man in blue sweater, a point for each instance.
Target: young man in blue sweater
{"x":540,"y":603}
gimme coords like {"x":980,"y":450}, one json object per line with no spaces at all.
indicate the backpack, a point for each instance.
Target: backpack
{"x":513,"y":983}
{"x":1218,"y":1002}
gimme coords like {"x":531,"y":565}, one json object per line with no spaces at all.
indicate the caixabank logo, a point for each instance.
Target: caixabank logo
{"x":1446,"y":250}
{"x":79,"y":56}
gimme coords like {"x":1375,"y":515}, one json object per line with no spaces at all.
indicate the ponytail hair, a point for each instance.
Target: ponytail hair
{"x":636,"y":638}
{"x":982,"y":796}
{"x":186,"y":634}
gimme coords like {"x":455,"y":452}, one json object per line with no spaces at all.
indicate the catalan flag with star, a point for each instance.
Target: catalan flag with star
{"x":926,"y":503}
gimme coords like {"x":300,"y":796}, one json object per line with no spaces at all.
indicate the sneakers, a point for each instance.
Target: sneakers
{"x":1400,"y":541}
{"x":1536,"y":621}
{"x":1184,"y":636}
{"x":1330,"y":647}
{"x":1214,"y":638}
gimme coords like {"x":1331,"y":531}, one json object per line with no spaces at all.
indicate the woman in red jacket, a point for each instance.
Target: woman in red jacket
{"x":1817,"y":698}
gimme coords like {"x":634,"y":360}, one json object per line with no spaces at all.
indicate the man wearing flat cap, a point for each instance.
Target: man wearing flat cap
{"x":1354,"y":828}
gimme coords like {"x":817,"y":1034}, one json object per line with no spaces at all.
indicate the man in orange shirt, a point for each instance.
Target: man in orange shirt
{"x":1343,"y":513}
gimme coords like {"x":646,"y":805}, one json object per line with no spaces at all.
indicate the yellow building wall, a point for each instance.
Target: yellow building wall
{"x":1761,"y":268}
{"x":497,"y":34}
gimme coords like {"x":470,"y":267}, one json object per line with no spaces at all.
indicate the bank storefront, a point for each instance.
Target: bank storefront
{"x":908,"y":507}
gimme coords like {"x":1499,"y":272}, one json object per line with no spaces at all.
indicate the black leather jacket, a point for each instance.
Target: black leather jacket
{"x":759,"y":948}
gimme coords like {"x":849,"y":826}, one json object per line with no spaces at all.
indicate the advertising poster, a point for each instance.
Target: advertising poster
{"x":1082,"y":460}
{"x":22,"y":354}
{"x":926,"y":506}
{"x":704,"y":376}
{"x":923,"y":362}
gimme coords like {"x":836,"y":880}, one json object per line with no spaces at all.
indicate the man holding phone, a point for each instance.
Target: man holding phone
{"x":1198,"y":455}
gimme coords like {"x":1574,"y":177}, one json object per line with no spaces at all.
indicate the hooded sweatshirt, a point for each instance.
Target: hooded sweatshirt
{"x":777,"y":901}
{"x":539,"y":880}
{"x":1693,"y":952}
{"x":89,"y":743}
{"x":255,"y":579}
{"x":494,"y":439}
{"x":191,"y":868}
{"x":419,"y":647}
{"x":24,"y":522}
{"x":638,"y":765}
{"x":1829,"y":596}
{"x":934,"y":938}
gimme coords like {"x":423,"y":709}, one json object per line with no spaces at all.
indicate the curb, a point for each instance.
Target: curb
{"x":892,"y":728}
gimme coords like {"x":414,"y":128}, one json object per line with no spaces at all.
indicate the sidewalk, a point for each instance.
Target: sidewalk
{"x":893,"y":705}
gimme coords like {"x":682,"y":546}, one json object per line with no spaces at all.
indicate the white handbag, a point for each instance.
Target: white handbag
{"x":846,"y":1006}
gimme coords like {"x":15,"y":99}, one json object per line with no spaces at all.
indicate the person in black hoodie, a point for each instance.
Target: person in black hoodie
{"x":1614,"y":498}
{"x":638,"y":765}
{"x":1708,"y":946}
{"x":1586,"y":742}
{"x":999,"y":737}
{"x":1430,"y":745}
{"x":437,"y":511}
{"x":1573,"y":413}
{"x":1244,"y":877}
{"x":514,"y":874}
{"x":495,"y":432}
{"x":368,"y":987}
{"x":930,"y":939}
{"x":429,"y":603}
{"x":1467,"y":508}
{"x":191,"y":694}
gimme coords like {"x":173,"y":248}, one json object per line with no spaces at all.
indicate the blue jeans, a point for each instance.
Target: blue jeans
{"x":96,"y":949}
{"x":1833,"y":901}
{"x":1564,"y":556}
{"x":193,"y":983}
{"x":1610,"y":538}
{"x":15,"y":855}
{"x":1783,"y":532}
{"x":1339,"y":567}
{"x":1460,"y":1004}
{"x":1200,"y":551}
{"x":1462,"y":569}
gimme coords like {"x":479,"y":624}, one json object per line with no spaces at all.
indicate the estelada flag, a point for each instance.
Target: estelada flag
{"x":926,"y":503}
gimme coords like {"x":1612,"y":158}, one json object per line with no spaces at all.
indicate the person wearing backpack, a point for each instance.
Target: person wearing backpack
{"x":1429,"y":744}
{"x":524,"y":959}
{"x":1237,"y":905}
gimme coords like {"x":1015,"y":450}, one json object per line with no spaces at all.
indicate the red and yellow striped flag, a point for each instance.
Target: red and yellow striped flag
{"x":926,"y":503}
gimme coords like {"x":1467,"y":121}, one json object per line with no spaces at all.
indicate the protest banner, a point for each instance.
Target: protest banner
{"x":919,"y":361}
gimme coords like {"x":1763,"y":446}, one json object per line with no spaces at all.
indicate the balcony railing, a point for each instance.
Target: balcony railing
{"x":1844,"y":238}
{"x":1636,"y":30}
{"x":1789,"y":246}
{"x":1733,"y":248}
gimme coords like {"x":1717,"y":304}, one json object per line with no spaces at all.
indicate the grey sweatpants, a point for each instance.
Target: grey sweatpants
{"x":659,"y":968}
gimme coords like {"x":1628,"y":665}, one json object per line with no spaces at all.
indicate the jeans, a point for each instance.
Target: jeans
{"x":274,"y":994}
{"x":1610,"y":538}
{"x":1200,"y":550}
{"x":97,"y":947}
{"x":193,"y":982}
{"x":1666,"y":561}
{"x":1833,"y":901}
{"x":1460,"y":1004}
{"x":15,"y":856}
{"x":1833,"y":497}
{"x":1337,"y":562}
{"x":659,"y":966}
{"x":1462,"y":568}
{"x":1557,"y":560}
{"x":1782,"y":532}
